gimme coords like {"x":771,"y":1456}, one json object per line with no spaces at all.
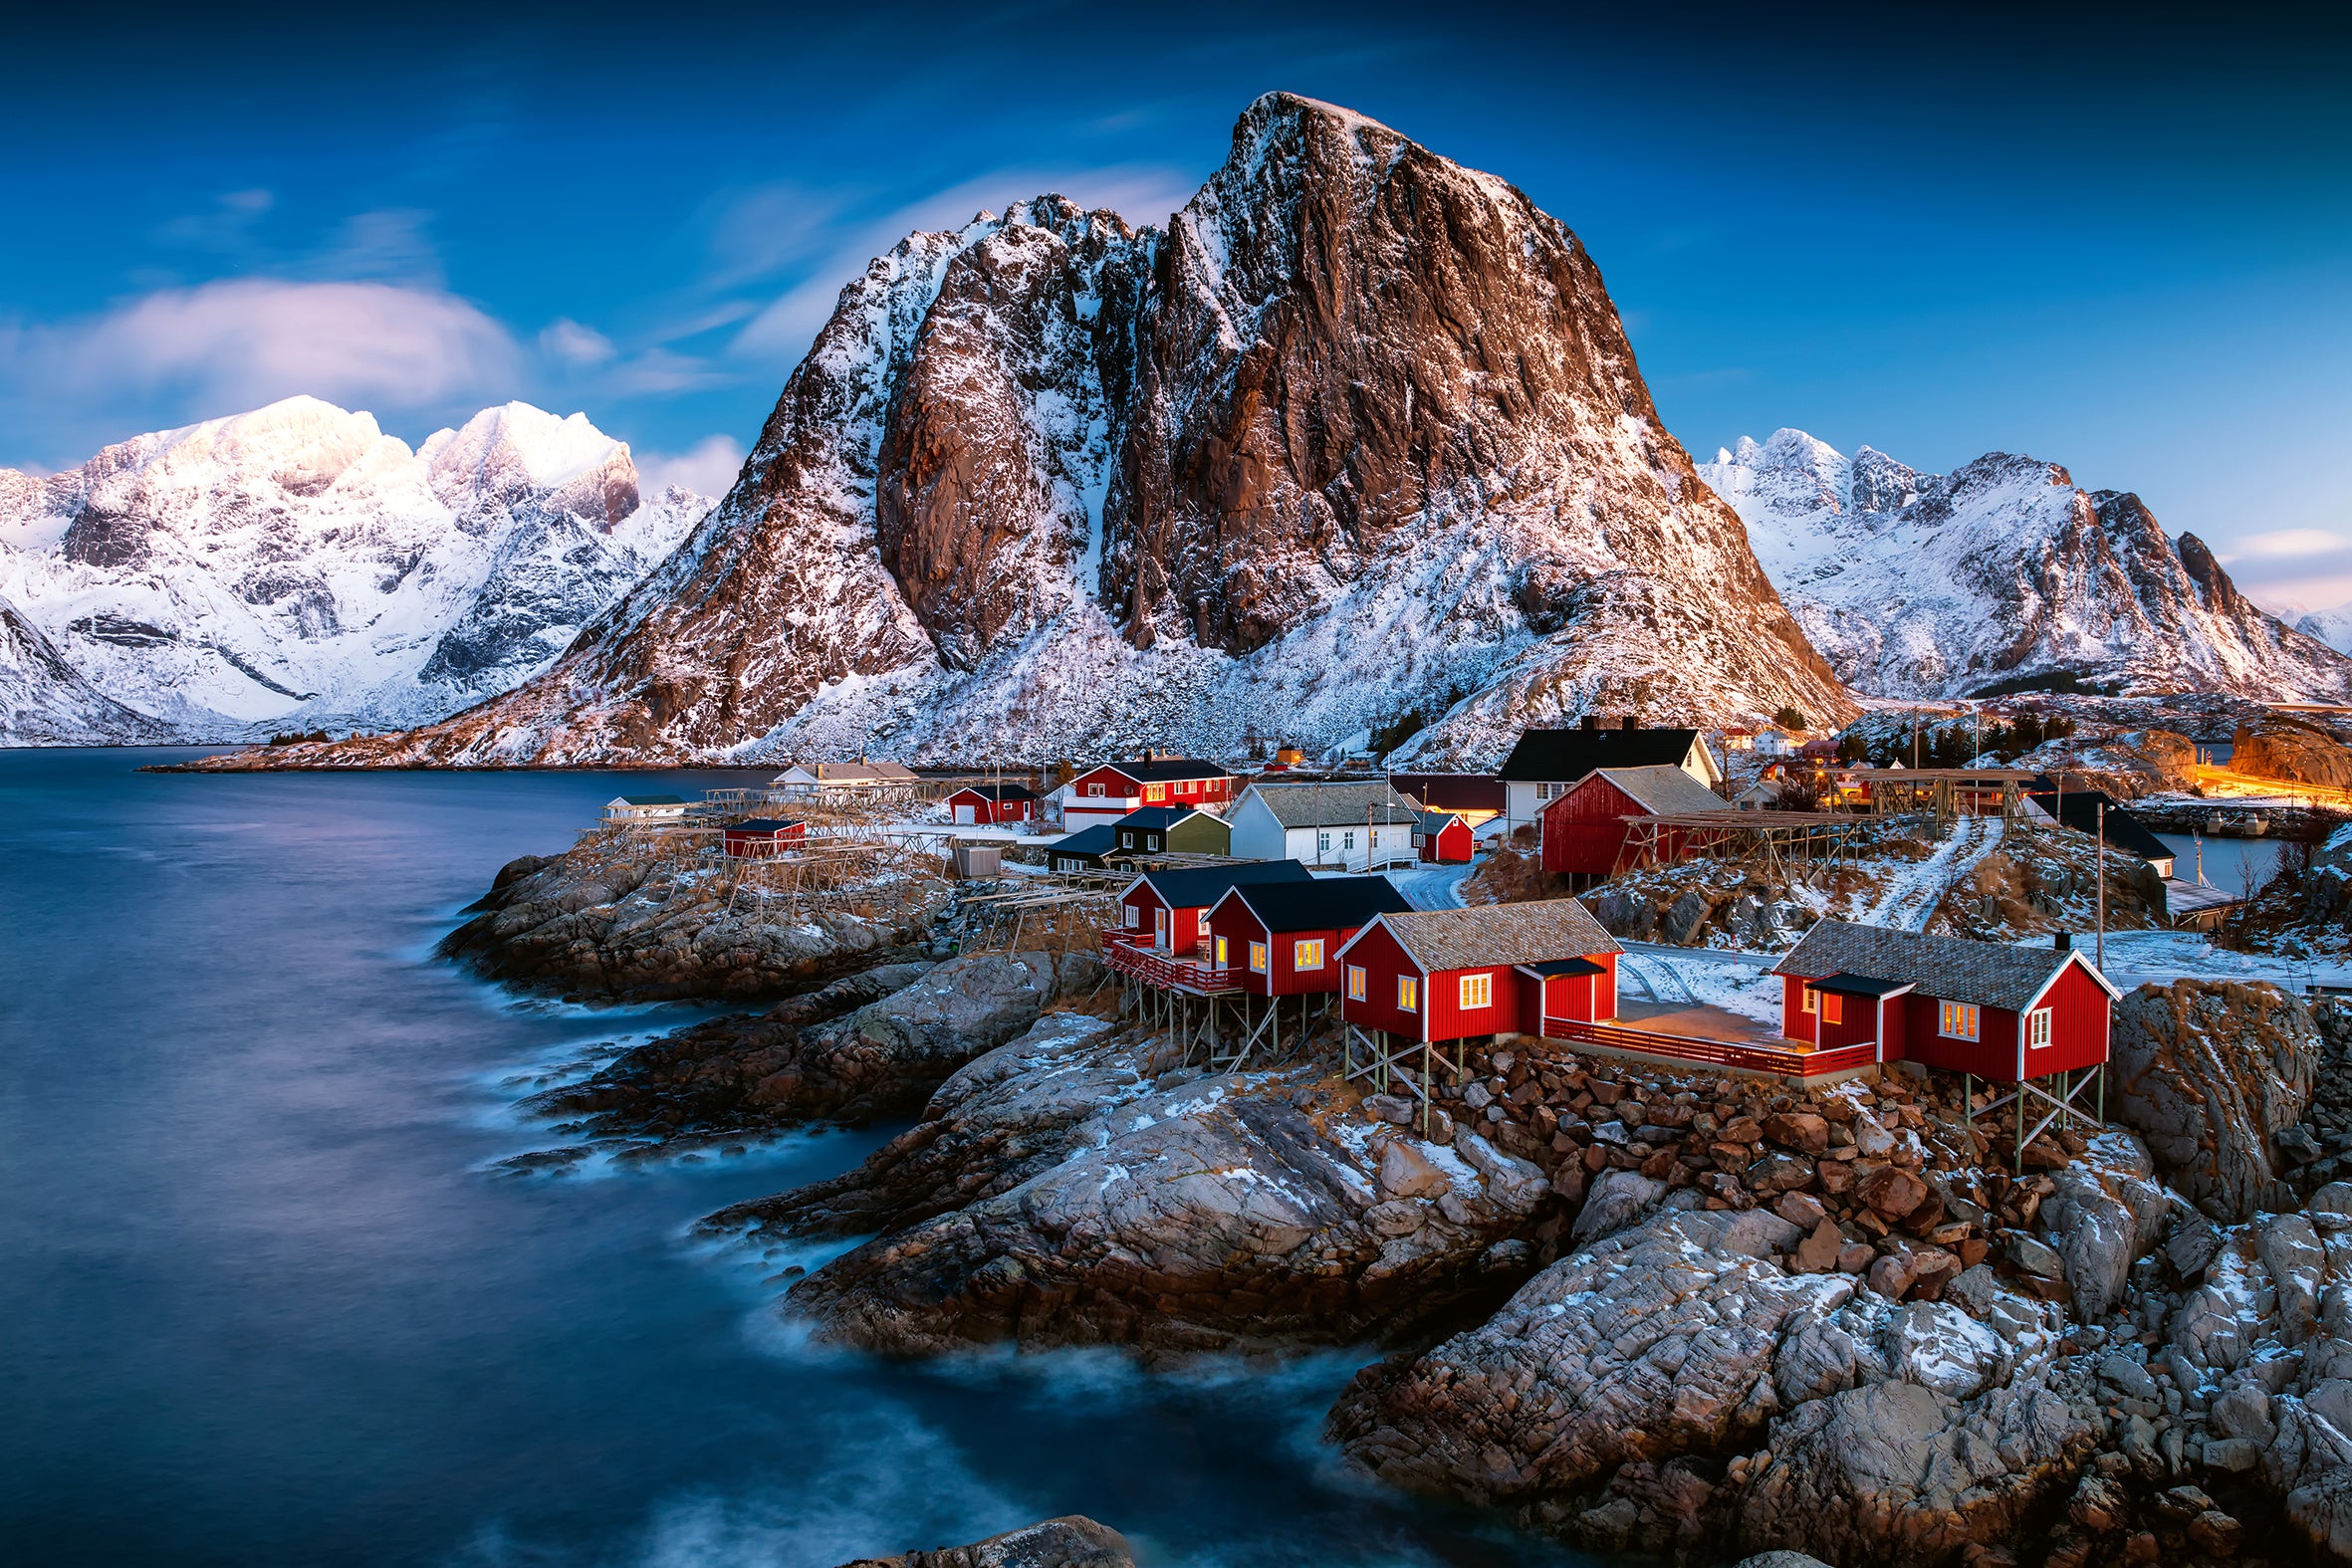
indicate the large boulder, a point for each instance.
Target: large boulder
{"x":2107,"y":1211}
{"x":1073,"y":1541}
{"x":1654,"y":1342}
{"x":2281,"y":748}
{"x":1218,"y":1213}
{"x":2209,"y":1072}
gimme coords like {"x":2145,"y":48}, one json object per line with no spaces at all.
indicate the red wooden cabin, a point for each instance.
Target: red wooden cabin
{"x":763,"y":836}
{"x":980,"y":804}
{"x":1443,"y":838}
{"x":1107,"y":792}
{"x":1284,"y":937}
{"x":1584,"y":828}
{"x":1165,"y":907}
{"x":1450,"y":974}
{"x":2004,"y":1013}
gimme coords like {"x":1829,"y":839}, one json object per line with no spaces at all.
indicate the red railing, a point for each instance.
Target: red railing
{"x":1125,"y":954}
{"x":1719,"y":1054}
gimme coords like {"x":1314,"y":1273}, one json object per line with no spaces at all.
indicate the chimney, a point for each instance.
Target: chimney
{"x":1633,"y":721}
{"x":2063,"y":942}
{"x":1592,"y":721}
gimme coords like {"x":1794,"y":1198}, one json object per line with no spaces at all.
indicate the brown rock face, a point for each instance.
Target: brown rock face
{"x":2300,"y":753}
{"x":1359,"y":435}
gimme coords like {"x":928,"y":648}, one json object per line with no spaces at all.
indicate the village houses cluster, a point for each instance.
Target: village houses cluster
{"x":1250,"y":908}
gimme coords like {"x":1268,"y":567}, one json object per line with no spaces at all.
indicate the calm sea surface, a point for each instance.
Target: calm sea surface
{"x":261,"y":1300}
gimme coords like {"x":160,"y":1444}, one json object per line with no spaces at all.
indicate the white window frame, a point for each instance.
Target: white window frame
{"x":1301,"y":948}
{"x":1220,"y":949}
{"x":2038,"y":1028}
{"x":1133,"y":920}
{"x":1126,"y":839}
{"x":1356,"y":982}
{"x":1408,"y":993}
{"x":1094,"y":791}
{"x":1322,"y":843}
{"x":1478,"y":991}
{"x":1959,"y":1020}
{"x":1256,"y":958}
{"x":1347,"y":843}
{"x":1813,"y":997}
{"x":1155,"y":791}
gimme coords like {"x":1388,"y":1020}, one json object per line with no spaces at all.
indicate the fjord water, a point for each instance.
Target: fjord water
{"x":263,"y":1302}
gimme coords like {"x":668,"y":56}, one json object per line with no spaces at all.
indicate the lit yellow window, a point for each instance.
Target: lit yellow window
{"x":1408,"y":993}
{"x":1258,"y":957}
{"x":1221,"y":953}
{"x":1813,"y":1003}
{"x":1832,"y":1007}
{"x":1478,"y":991}
{"x":1155,"y":791}
{"x":1956,"y":1020}
{"x":2038,"y":1027}
{"x":1356,"y":982}
{"x":1307,"y":955}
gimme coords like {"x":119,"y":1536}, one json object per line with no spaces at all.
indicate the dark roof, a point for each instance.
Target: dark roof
{"x":1435,"y":822}
{"x":1562,"y":756}
{"x":1949,"y":969}
{"x":1862,"y":984}
{"x":1161,"y":770}
{"x":654,"y":800}
{"x":1555,"y":967}
{"x":764,"y":824}
{"x":1332,"y":903}
{"x":1158,"y":818}
{"x":1452,"y":791}
{"x":1534,"y":933}
{"x":2079,"y":809}
{"x":998,"y":791}
{"x":1097,"y":842}
{"x":1197,"y":887}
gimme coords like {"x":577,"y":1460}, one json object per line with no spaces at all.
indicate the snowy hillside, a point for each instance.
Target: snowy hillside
{"x":45,"y":702}
{"x":2333,"y":627}
{"x":296,"y":567}
{"x":2002,"y":576}
{"x":1357,"y":438}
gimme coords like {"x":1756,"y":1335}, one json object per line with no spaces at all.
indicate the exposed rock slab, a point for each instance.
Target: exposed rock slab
{"x":1073,"y":1541}
{"x":2208,"y":1073}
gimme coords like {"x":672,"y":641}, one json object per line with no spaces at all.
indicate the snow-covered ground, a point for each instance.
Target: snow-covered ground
{"x":1432,"y":887}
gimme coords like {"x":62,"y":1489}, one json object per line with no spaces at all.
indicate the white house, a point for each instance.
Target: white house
{"x":639,"y":809}
{"x":1350,"y":826}
{"x":841,"y":782}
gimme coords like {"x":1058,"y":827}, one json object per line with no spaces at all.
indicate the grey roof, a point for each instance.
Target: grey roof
{"x":1949,"y":969}
{"x":1333,"y":805}
{"x":1435,"y":822}
{"x":1495,"y":934}
{"x":1665,"y":791}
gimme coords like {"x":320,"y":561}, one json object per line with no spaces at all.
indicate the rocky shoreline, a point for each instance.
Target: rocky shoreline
{"x":1680,"y":1314}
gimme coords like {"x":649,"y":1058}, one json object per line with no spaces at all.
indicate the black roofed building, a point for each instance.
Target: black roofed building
{"x":1284,"y":937}
{"x":1545,"y":762}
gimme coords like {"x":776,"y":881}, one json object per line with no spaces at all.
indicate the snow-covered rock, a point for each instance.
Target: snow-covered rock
{"x":44,"y":701}
{"x":2333,"y":627}
{"x":2002,"y":576}
{"x":1358,"y":436}
{"x":296,"y":567}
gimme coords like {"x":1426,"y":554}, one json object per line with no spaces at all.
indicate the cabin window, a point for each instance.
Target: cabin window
{"x":1322,"y":843}
{"x":1126,"y":840}
{"x":1478,"y":991}
{"x":1544,"y":791}
{"x":1356,"y":982}
{"x":1408,"y":993}
{"x":1833,"y":1007}
{"x":1134,"y":917}
{"x":1416,"y":840}
{"x":1221,"y":953}
{"x":1307,"y":955}
{"x":1095,"y":791}
{"x":1155,"y":791}
{"x":1812,"y":999}
{"x":1347,"y":841}
{"x":1956,"y":1020}
{"x":1258,"y":958}
{"x":2038,"y":1027}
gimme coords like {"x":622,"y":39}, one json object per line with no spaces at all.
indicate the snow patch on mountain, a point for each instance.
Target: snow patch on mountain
{"x":296,"y":567}
{"x":2333,"y":627}
{"x":44,"y":701}
{"x":2002,"y":576}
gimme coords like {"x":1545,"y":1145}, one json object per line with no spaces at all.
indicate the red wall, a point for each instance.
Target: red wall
{"x":1143,"y":901}
{"x":1452,"y":845}
{"x":1239,"y":928}
{"x":2079,"y":1019}
{"x":1117,"y":785}
{"x":1795,"y":1022}
{"x":1583,"y":833}
{"x":1450,"y":1021}
{"x":1383,"y":960}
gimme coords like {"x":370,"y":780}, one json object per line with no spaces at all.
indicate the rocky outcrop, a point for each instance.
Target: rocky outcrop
{"x":628,"y":918}
{"x":1073,"y":1541}
{"x":1209,"y":1214}
{"x":1356,"y":436}
{"x":2210,"y":1073}
{"x":746,"y":1076}
{"x":2278,"y":747}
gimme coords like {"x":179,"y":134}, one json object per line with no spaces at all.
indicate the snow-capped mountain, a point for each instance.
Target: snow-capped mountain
{"x":296,"y":567}
{"x":44,"y":701}
{"x":2002,"y":576}
{"x":2333,"y":627}
{"x":1356,"y":438}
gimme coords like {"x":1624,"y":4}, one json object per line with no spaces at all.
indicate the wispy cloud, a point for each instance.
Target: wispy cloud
{"x":708,"y":467}
{"x":2292,"y":571}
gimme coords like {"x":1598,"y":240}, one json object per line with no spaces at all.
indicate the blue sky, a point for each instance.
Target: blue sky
{"x":2111,"y":241}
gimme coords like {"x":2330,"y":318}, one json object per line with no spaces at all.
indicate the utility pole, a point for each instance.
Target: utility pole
{"x":2102,"y":872}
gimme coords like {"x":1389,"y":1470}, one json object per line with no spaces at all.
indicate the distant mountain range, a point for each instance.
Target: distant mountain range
{"x":1351,"y":451}
{"x":2333,"y":627}
{"x":296,"y":567}
{"x":2002,"y":576}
